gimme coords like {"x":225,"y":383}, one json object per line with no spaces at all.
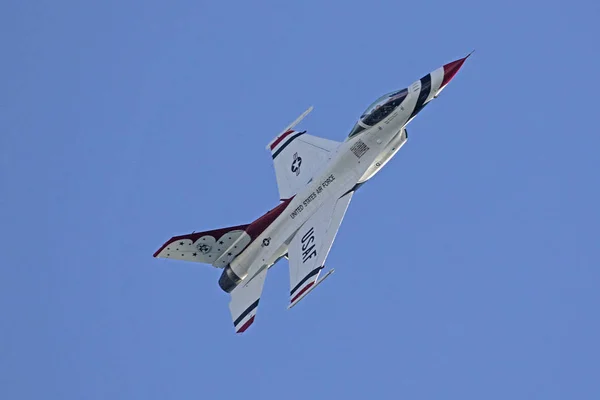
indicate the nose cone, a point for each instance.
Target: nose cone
{"x":451,"y":69}
{"x":431,"y":85}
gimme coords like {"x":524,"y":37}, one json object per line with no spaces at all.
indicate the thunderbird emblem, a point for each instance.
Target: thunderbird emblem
{"x":203,"y":248}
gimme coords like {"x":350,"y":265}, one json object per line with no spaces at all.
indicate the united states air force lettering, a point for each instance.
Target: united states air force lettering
{"x":309,"y":199}
{"x":308,"y":245}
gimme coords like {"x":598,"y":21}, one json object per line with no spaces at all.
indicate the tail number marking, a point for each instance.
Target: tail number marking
{"x":308,"y":246}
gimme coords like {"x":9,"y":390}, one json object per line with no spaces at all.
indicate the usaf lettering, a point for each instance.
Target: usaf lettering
{"x":308,"y":252}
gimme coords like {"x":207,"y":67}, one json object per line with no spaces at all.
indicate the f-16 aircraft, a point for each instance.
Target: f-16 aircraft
{"x":316,"y":178}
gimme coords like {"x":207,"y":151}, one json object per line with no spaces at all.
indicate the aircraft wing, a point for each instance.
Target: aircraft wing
{"x":244,"y":300}
{"x":297,"y":157}
{"x":217,"y":247}
{"x":310,"y":246}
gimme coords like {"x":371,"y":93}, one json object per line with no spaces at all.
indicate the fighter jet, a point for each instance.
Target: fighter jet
{"x":316,"y":178}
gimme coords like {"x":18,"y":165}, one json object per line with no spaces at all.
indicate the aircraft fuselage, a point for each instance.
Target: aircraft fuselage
{"x":316,"y":179}
{"x":356,"y":161}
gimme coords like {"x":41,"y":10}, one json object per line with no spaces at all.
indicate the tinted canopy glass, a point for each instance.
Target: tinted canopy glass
{"x":381,"y":108}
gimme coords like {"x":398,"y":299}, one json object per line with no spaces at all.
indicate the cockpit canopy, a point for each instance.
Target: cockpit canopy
{"x":381,"y":108}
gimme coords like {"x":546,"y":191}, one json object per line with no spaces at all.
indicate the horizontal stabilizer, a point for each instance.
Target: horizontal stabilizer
{"x":244,"y":301}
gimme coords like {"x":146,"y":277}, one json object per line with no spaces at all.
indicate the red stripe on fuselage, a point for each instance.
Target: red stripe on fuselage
{"x":257,"y":227}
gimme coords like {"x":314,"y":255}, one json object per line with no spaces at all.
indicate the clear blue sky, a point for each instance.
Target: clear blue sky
{"x":467,"y":269}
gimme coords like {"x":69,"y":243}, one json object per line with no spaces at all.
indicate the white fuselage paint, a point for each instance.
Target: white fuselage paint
{"x":338,"y":177}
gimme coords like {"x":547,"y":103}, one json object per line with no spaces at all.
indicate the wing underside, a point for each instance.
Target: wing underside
{"x":297,"y":157}
{"x":307,"y":252}
{"x":217,"y":247}
{"x":310,"y":247}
